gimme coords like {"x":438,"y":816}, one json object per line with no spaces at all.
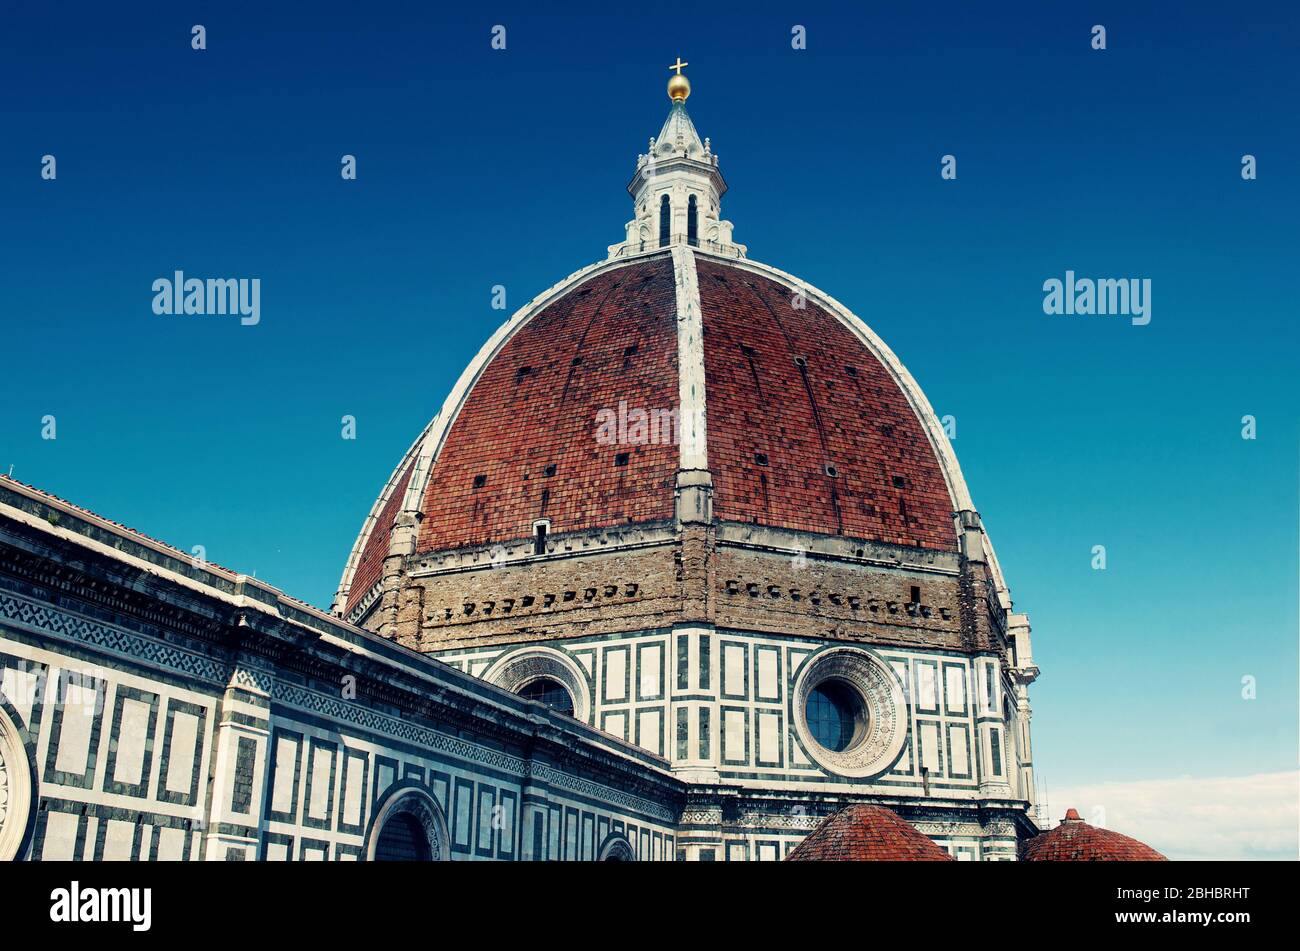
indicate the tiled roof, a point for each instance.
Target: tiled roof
{"x":863,"y":833}
{"x":524,"y":445}
{"x":1076,"y":841}
{"x":794,"y":386}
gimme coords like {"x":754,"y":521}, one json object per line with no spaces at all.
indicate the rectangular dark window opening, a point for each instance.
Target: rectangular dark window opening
{"x":621,"y":459}
{"x":480,"y":481}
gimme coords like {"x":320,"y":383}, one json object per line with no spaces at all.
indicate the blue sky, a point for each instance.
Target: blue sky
{"x":480,"y":167}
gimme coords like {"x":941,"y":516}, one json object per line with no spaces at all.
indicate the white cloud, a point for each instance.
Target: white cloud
{"x":1229,"y":817}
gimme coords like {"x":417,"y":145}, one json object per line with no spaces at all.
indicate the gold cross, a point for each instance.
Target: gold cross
{"x":678,"y":65}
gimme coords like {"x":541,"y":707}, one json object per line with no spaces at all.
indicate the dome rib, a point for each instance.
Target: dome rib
{"x":362,"y":571}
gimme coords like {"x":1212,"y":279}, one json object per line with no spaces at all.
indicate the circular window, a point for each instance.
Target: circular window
{"x":849,"y":712}
{"x":16,"y":791}
{"x":834,"y":713}
{"x":550,"y":693}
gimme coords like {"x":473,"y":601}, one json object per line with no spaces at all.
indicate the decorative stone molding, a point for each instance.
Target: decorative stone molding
{"x":577,"y":597}
{"x":93,"y":634}
{"x":879,"y":739}
{"x":796,"y":819}
{"x":701,"y":816}
{"x":558,"y":779}
{"x":616,"y":848}
{"x":520,"y":551}
{"x":816,"y":547}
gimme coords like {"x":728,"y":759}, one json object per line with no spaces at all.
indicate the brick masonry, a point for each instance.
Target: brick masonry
{"x":795,"y":388}
{"x":524,"y":446}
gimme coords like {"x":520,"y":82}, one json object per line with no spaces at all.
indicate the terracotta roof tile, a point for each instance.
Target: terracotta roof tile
{"x":864,"y":833}
{"x":798,"y":387}
{"x":807,"y":430}
{"x":1076,"y":841}
{"x":611,"y":341}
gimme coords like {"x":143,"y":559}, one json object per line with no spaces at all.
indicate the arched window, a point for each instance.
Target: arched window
{"x":549,"y":692}
{"x":542,"y":525}
{"x":402,"y":840}
{"x":692,"y":223}
{"x":665,"y":221}
{"x":408,"y":826}
{"x":546,"y":675}
{"x":615,"y":848}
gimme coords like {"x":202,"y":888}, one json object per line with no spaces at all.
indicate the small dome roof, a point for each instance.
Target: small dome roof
{"x":1076,"y":841}
{"x":863,"y":833}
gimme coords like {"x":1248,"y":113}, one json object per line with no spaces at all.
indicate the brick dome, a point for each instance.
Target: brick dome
{"x":677,"y":381}
{"x":1076,"y":841}
{"x":802,"y":417}
{"x":863,"y":833}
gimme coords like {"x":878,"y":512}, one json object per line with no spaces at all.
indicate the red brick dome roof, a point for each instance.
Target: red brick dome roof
{"x":863,"y":833}
{"x":808,"y":421}
{"x":1076,"y":841}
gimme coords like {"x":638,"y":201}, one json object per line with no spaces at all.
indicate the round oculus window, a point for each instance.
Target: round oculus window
{"x":850,"y":712}
{"x":835,"y":712}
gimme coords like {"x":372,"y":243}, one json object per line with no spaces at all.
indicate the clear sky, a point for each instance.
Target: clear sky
{"x":479,"y":167}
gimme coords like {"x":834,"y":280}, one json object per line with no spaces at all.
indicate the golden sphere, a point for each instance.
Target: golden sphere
{"x":679,"y":87}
